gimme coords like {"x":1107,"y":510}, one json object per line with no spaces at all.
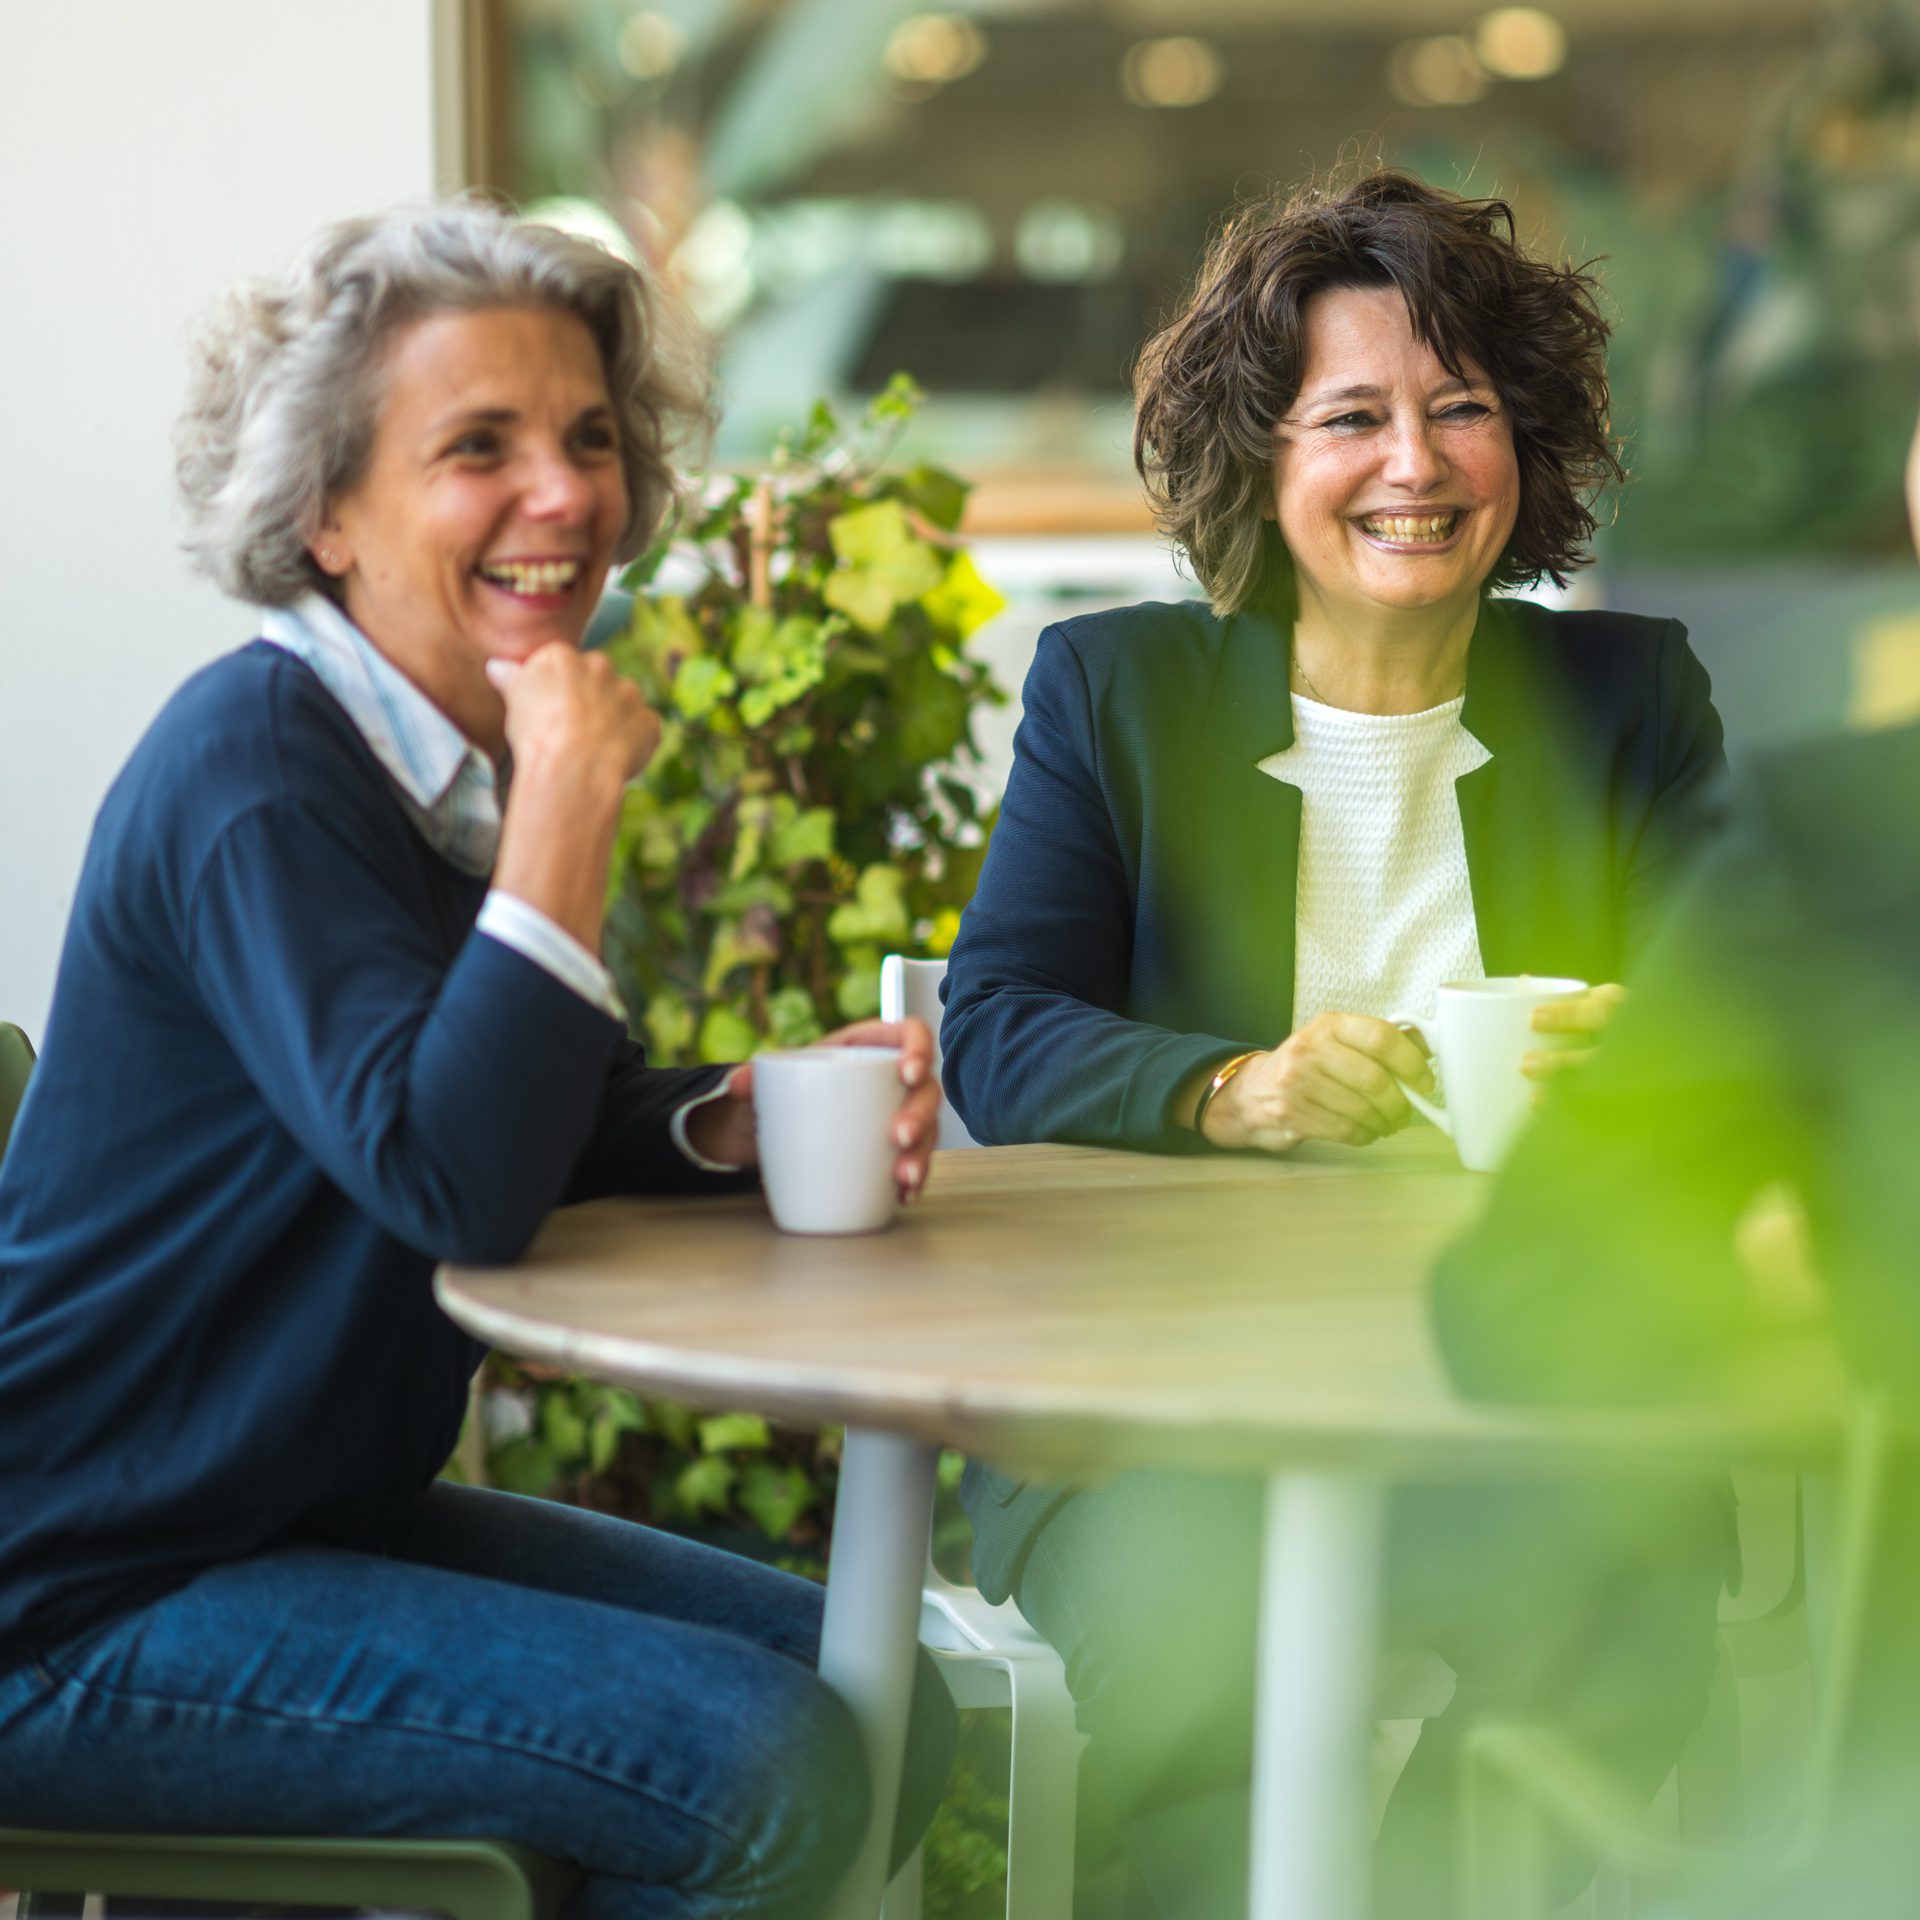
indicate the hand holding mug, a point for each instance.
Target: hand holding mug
{"x":1479,"y":1031}
{"x":726,"y":1129}
{"x":1585,"y":1016}
{"x":1337,"y":1078}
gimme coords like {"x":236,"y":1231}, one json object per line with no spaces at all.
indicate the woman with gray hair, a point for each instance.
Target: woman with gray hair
{"x":330,"y":1011}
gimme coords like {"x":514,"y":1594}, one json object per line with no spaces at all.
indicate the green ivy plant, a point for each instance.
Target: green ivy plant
{"x":807,"y":810}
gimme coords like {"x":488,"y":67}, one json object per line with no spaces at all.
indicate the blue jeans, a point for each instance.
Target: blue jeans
{"x":598,"y":1691}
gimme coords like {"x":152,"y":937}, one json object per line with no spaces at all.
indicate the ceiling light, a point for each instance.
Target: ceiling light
{"x":1176,"y":72}
{"x":650,"y":45}
{"x":934,"y":49}
{"x":1440,"y":72}
{"x":1521,"y":43}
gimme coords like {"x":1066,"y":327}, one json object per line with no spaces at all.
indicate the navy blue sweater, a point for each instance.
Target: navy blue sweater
{"x":283,"y":1078}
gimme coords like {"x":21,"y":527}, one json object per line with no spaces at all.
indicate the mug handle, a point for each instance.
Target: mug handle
{"x":1414,"y":1023}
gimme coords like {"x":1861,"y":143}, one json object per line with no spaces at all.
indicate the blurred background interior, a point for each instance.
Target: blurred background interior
{"x":1001,"y":199}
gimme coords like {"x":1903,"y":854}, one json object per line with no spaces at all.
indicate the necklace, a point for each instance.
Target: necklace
{"x":1314,"y":693}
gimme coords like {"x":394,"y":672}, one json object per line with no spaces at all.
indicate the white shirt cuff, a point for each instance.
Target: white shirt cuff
{"x":677,"y":1128}
{"x":510,"y":920}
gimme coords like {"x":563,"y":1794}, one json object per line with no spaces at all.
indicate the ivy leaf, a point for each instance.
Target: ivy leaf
{"x":807,"y":836}
{"x":646,"y":834}
{"x":933,"y":711}
{"x":724,"y":1430}
{"x":896,"y":402}
{"x":791,"y":1019}
{"x":877,"y":913}
{"x":726,"y":1035}
{"x":700,"y":685}
{"x":863,"y":597}
{"x":562,"y":1428}
{"x":668,"y":1022}
{"x":781,"y":660}
{"x":775,"y":1496}
{"x":858,"y":993}
{"x":660,"y":636}
{"x":820,"y":432}
{"x":524,"y":1466}
{"x":882,"y":564}
{"x":749,"y":941}
{"x":963,"y":602}
{"x":849,"y":660}
{"x":676,"y":1423}
{"x":691,"y":819}
{"x":944,"y":932}
{"x":704,"y":1485}
{"x":603,"y":1441}
{"x":624,"y":1410}
{"x":936,"y":495}
{"x":750,"y":835}
{"x":759,"y":890}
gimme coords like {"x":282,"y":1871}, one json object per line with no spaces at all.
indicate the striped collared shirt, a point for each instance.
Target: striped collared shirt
{"x":448,"y":786}
{"x":451,"y":791}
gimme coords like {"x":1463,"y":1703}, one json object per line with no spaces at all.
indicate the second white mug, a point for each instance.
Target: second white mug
{"x":1477,"y":1032}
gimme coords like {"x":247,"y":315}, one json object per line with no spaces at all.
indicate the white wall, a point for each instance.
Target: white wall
{"x":150,"y":153}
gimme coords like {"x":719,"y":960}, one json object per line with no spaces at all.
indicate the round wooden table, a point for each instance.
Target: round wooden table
{"x":1076,"y":1311}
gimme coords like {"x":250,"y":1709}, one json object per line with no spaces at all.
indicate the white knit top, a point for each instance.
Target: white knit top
{"x":1383,"y":910}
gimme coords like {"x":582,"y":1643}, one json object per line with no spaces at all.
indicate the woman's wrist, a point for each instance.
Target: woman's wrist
{"x":1213,"y":1087}
{"x":722,"y":1130}
{"x":561,"y":869}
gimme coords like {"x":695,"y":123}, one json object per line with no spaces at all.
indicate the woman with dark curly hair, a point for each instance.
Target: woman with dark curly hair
{"x":1240,"y":834}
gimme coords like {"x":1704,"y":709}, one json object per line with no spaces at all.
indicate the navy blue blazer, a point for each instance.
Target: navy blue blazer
{"x":1134,"y":920}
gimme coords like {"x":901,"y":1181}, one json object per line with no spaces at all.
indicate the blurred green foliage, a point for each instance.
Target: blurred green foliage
{"x":762,"y":1488}
{"x":806,"y":811}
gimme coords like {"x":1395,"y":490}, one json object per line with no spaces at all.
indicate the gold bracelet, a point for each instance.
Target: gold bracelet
{"x":1221,"y":1076}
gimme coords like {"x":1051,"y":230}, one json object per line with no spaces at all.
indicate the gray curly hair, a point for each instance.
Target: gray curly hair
{"x":286,"y":384}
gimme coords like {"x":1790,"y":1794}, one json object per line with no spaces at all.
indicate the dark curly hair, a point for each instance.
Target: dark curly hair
{"x":1211,"y":384}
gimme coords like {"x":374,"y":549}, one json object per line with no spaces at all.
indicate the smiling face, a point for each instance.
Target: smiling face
{"x":487,"y":517}
{"x":1395,"y":482}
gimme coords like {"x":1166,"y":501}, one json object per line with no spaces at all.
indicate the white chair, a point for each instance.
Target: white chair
{"x":913,"y":987}
{"x":988,"y":1655}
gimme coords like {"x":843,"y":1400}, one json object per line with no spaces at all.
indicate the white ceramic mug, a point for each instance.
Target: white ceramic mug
{"x":823,"y":1117}
{"x":1477,"y":1033}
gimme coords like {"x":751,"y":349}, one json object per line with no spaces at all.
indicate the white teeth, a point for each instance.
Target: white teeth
{"x":533,"y":576}
{"x":1434,"y":527}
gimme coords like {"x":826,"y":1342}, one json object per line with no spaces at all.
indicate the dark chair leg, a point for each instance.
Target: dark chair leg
{"x":125,"y":1906}
{"x":122,"y":1906}
{"x":51,"y":1906}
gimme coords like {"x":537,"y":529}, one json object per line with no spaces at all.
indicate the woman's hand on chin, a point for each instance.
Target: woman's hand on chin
{"x":1337,"y":1078}
{"x":1584,"y":1018}
{"x":569,"y":714}
{"x":578,"y":733}
{"x":722,"y":1130}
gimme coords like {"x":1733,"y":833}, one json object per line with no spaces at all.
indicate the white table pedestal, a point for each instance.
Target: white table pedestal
{"x":1314,"y":1689}
{"x":872,"y":1630}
